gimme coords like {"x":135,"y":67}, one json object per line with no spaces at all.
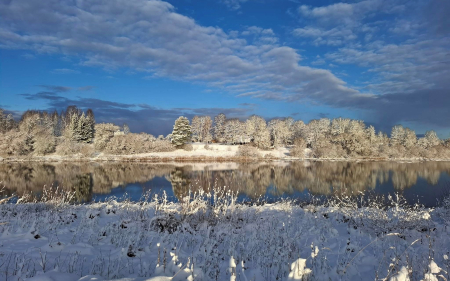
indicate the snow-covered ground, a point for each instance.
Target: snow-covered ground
{"x":156,"y":240}
{"x":217,"y":150}
{"x":214,"y":151}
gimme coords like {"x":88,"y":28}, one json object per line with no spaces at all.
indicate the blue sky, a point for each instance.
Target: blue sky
{"x":147,"y":62}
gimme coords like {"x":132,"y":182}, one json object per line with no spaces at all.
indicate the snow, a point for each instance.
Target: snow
{"x":195,"y":241}
{"x":199,"y":151}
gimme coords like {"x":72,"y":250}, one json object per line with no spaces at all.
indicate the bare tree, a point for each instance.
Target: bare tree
{"x":219,"y":127}
{"x":280,"y":132}
{"x":234,"y":131}
{"x":258,"y":132}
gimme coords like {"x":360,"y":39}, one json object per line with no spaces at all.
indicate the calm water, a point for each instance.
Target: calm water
{"x":425,"y":182}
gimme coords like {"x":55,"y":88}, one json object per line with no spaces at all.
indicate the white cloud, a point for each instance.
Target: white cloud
{"x":233,"y":4}
{"x":149,"y":36}
{"x":65,"y":71}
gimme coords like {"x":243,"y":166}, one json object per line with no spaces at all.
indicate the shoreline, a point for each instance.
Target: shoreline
{"x":143,"y":158}
{"x":216,"y":153}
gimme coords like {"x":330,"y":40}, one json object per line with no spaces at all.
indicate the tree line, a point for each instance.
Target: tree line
{"x":74,"y":131}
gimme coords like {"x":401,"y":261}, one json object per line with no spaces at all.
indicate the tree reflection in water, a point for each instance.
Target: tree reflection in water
{"x":250,"y":179}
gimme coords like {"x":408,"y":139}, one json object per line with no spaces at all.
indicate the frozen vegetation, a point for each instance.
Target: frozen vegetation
{"x":344,"y":239}
{"x":74,"y":133}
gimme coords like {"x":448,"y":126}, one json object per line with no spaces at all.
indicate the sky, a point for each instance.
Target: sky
{"x":146,"y":62}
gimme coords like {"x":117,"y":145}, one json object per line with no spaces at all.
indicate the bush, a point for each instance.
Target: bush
{"x":188,"y":147}
{"x":299,"y":148}
{"x":162,"y":146}
{"x":15,"y":143}
{"x":247,"y":151}
{"x":44,"y":144}
{"x":68,"y":147}
{"x":137,"y":143}
{"x":87,"y":150}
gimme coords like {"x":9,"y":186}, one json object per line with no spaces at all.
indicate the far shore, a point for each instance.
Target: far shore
{"x":215,"y":153}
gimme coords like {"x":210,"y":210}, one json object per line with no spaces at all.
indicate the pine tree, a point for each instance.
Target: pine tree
{"x":73,"y":128}
{"x":83,"y":129}
{"x":90,"y":119}
{"x":181,"y":131}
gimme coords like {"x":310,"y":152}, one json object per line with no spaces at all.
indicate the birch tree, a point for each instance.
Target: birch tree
{"x":280,"y":132}
{"x":258,"y":132}
{"x":219,"y":127}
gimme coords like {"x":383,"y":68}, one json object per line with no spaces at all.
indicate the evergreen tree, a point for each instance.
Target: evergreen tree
{"x":90,"y":119}
{"x":84,"y":129}
{"x":73,"y":128}
{"x":181,"y":131}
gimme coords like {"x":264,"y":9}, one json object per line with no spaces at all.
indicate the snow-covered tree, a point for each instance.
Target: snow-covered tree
{"x":429,"y":140}
{"x":181,"y":131}
{"x":234,"y":131}
{"x":298,"y":129}
{"x":409,"y":138}
{"x":219,"y":127}
{"x":196,"y":128}
{"x":90,"y":119}
{"x":126,"y":129}
{"x":74,"y":130}
{"x":104,"y":132}
{"x":206,"y":128}
{"x":84,"y":131}
{"x":339,"y":126}
{"x":201,"y":128}
{"x":397,"y":134}
{"x":258,"y":132}
{"x":371,"y":134}
{"x":280,"y":131}
{"x":317,"y":129}
{"x":7,"y":122}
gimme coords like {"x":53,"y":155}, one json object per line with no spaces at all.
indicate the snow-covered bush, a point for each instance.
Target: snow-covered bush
{"x":208,"y":236}
{"x":298,"y":150}
{"x":44,"y":143}
{"x":248,"y":151}
{"x":15,"y":143}
{"x":188,"y":147}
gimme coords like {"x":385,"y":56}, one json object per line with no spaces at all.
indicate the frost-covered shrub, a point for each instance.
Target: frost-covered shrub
{"x":247,"y":151}
{"x":188,"y":147}
{"x":67,"y":147}
{"x":298,"y":150}
{"x":124,"y":144}
{"x":15,"y":143}
{"x":136,"y":143}
{"x":163,"y":145}
{"x":44,"y":144}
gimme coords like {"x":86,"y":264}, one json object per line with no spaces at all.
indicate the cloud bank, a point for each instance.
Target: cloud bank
{"x":407,"y":55}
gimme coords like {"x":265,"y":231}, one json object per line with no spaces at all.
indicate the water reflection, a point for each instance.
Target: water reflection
{"x":272,"y":179}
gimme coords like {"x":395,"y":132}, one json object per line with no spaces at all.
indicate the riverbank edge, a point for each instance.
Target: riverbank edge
{"x":138,"y":158}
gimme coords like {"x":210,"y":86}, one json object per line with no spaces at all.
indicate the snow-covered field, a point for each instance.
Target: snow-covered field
{"x":198,"y":151}
{"x":157,"y":240}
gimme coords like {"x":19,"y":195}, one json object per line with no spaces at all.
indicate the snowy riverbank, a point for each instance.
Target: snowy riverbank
{"x":213,"y":153}
{"x":194,"y":241}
